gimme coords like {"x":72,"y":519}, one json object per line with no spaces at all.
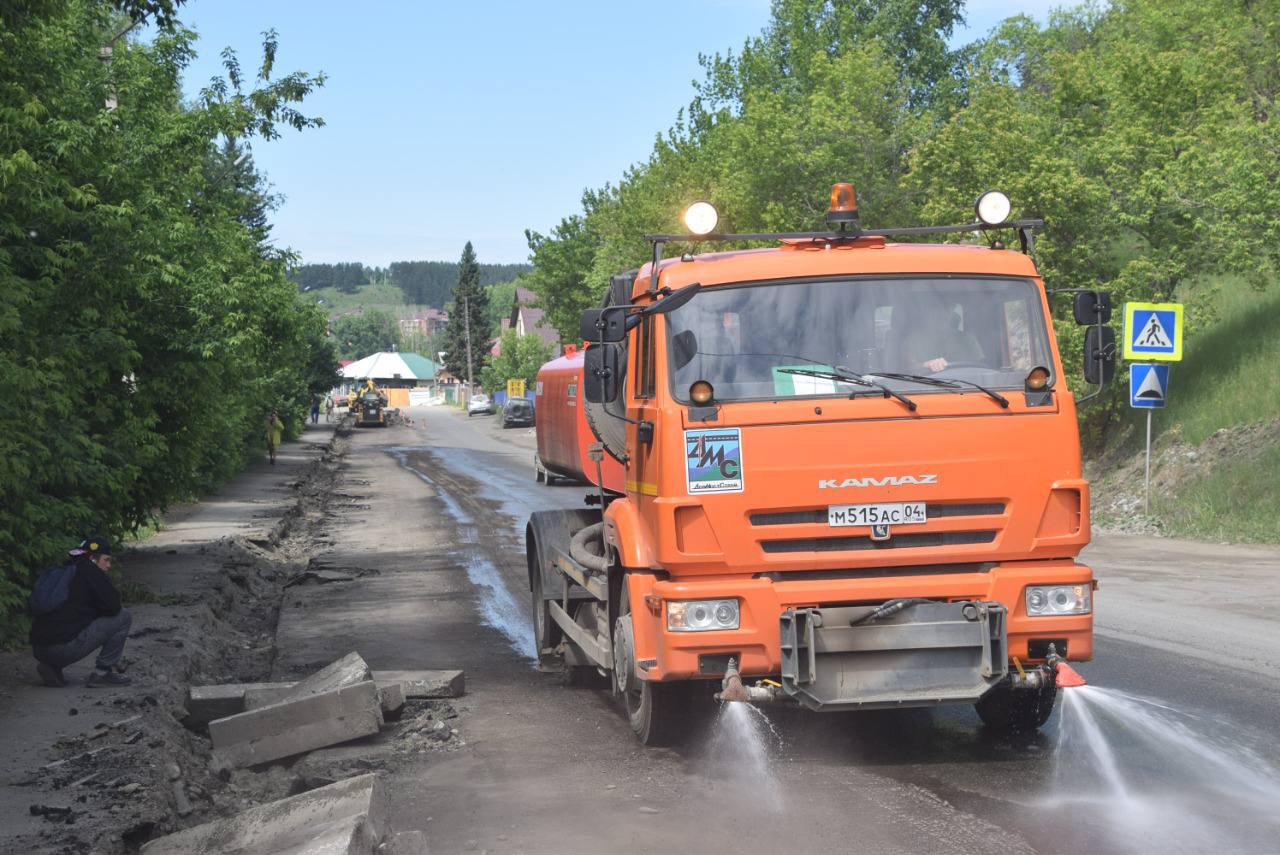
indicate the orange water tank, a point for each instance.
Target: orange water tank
{"x":564,"y":436}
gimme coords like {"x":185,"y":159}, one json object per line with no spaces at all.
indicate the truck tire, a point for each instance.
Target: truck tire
{"x":546,"y":632}
{"x":1025,"y":711}
{"x":656,"y":711}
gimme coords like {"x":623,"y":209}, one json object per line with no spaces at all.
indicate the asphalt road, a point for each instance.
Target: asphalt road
{"x":1172,"y":748}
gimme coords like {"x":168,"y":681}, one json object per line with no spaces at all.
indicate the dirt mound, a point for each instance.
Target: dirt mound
{"x":1117,"y":479}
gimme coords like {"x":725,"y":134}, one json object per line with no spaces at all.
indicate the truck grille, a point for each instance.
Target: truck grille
{"x":932,"y":511}
{"x":897,"y":541}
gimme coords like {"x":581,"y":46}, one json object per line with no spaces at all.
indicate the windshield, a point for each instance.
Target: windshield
{"x":756,"y":341}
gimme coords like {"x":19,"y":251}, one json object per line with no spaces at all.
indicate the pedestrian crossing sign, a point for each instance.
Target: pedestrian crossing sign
{"x":1153,"y":331}
{"x":1148,"y":386}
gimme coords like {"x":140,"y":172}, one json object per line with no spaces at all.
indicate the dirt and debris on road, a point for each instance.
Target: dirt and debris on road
{"x":106,"y":771}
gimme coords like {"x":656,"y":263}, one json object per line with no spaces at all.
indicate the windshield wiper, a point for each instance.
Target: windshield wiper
{"x":943,"y":382}
{"x":841,"y":376}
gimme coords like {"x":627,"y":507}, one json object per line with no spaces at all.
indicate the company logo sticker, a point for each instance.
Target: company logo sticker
{"x":713,"y":461}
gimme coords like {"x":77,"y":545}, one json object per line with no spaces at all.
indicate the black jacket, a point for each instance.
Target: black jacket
{"x":91,"y":596}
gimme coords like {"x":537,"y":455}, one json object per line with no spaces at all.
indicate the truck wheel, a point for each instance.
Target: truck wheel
{"x":656,"y":711}
{"x":546,"y":632}
{"x":1022,"y":711}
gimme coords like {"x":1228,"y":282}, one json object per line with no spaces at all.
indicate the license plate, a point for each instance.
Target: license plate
{"x":889,"y":513}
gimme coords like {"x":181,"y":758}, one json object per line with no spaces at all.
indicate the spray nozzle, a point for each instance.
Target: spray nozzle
{"x":1066,"y":676}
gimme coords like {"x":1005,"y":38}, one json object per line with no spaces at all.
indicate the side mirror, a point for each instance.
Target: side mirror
{"x":601,"y":380}
{"x":603,"y":325}
{"x":1099,"y":355}
{"x":1091,"y":308}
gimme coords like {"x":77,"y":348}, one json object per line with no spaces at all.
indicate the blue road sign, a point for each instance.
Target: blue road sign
{"x":1148,"y":386}
{"x":1153,"y":331}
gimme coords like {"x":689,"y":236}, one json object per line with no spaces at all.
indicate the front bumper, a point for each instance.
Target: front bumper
{"x":757,"y":643}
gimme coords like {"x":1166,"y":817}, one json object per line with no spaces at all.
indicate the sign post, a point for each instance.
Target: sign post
{"x":1151,"y":331}
{"x":515,"y":388}
{"x":1148,"y":386}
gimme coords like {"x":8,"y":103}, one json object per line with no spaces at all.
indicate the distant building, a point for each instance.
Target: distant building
{"x":528,"y":319}
{"x":426,"y":323}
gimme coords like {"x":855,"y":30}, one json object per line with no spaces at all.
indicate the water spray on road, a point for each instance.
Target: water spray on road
{"x":740,"y":759}
{"x":1161,"y":779}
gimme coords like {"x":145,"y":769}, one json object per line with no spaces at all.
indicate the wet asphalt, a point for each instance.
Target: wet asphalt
{"x":1189,"y":766}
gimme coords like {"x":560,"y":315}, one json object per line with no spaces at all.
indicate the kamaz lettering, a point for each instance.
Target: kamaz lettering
{"x":887,"y":481}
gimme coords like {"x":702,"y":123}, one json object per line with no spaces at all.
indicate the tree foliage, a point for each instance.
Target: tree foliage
{"x":145,"y":325}
{"x":347,"y":277}
{"x":519,"y":357}
{"x":358,"y":336}
{"x":431,"y":283}
{"x":1144,"y":131}
{"x":469,"y":310}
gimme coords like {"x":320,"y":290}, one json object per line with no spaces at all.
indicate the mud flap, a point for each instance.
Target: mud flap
{"x":925,"y":655}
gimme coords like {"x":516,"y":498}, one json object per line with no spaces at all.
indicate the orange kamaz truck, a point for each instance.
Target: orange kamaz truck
{"x":841,"y":472}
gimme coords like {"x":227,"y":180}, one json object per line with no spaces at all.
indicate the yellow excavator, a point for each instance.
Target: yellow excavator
{"x":369,"y":405}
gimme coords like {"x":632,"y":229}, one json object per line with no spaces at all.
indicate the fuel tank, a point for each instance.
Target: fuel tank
{"x":564,"y":434}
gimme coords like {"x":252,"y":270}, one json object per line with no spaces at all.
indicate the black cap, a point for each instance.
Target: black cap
{"x":93,"y":546}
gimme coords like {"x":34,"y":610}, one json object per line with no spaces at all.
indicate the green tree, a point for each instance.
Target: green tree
{"x":1136,"y":133}
{"x":519,"y":357}
{"x":562,"y":266}
{"x":357,"y":336}
{"x":502,"y":296}
{"x":469,"y":311}
{"x":145,"y":322}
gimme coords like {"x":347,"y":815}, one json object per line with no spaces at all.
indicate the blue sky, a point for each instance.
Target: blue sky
{"x":472,"y":121}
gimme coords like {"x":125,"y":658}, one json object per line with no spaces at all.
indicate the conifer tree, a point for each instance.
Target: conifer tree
{"x":469,"y":313}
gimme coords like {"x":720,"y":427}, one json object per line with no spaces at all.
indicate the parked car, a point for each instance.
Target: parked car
{"x":479,"y":403}
{"x":518,"y":413}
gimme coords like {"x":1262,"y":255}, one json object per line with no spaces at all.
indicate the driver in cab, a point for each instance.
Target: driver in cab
{"x":936,"y":340}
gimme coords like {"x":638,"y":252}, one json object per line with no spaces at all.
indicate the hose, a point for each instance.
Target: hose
{"x":584,"y":556}
{"x":888,"y":610}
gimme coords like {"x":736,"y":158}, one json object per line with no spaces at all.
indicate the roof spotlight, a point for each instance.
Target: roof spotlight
{"x":992,"y":208}
{"x":700,"y":218}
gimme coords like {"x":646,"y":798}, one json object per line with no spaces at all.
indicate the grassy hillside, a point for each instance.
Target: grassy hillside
{"x":1216,"y":458}
{"x":1231,"y":372}
{"x":376,"y":295}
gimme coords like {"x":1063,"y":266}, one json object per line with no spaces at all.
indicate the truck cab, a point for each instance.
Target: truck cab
{"x":850,"y":473}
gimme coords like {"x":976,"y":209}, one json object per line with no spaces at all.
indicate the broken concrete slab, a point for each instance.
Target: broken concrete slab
{"x":391,"y":699}
{"x":414,"y":684}
{"x":347,"y":671}
{"x":426,"y":684}
{"x":205,"y":703}
{"x":391,"y":696}
{"x":296,"y":725}
{"x":404,"y":843}
{"x":347,"y":817}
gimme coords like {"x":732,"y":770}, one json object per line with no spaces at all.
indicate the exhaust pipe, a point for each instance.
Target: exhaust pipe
{"x":733,"y":689}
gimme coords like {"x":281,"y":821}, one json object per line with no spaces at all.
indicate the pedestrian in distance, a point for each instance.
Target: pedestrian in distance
{"x":315,"y":408}
{"x":275,"y":433}
{"x":328,"y":407}
{"x":76,"y":611}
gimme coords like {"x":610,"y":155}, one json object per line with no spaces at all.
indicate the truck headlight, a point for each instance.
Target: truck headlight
{"x":702,"y":615}
{"x":1044,"y":600}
